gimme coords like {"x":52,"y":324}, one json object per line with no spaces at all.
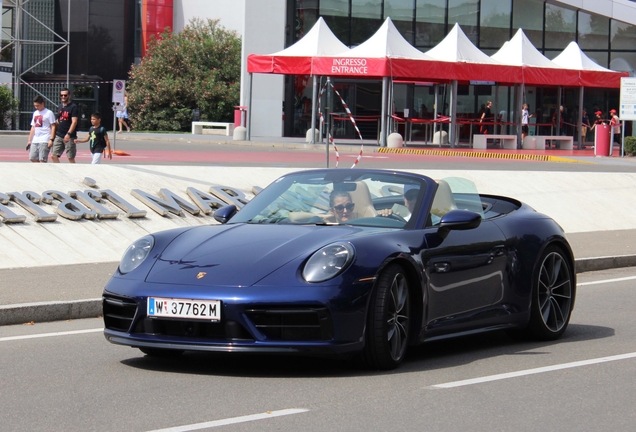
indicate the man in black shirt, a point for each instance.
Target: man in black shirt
{"x":67,"y":119}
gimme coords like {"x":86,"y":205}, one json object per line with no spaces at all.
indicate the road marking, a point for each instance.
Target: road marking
{"x":233,"y":420}
{"x":606,"y":281}
{"x":43,"y":335}
{"x":367,"y":157}
{"x":533,"y":371}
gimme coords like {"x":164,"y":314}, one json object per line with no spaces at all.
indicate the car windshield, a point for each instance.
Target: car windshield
{"x":338,"y":197}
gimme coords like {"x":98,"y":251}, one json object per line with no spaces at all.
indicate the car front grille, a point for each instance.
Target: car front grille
{"x":118,"y":312}
{"x":304,"y":323}
{"x":284,"y":323}
{"x":192,"y":329}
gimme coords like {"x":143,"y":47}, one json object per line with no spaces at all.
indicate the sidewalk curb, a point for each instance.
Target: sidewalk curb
{"x":604,"y":263}
{"x":92,"y":308}
{"x":50,"y":311}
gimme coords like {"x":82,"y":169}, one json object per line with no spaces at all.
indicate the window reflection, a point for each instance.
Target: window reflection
{"x":495,"y":23}
{"x":623,"y":35}
{"x":401,"y":13}
{"x":366,"y":18}
{"x":430,"y":19}
{"x":334,"y":7}
{"x":593,"y":31}
{"x":464,"y":12}
{"x":528,"y":15}
{"x":560,"y":26}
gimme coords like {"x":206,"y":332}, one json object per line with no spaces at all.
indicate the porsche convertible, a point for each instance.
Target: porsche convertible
{"x":356,"y":263}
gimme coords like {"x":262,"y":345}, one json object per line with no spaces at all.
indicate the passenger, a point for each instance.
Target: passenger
{"x":410,"y":197}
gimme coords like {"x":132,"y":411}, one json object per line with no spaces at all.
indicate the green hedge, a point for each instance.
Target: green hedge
{"x":630,"y":145}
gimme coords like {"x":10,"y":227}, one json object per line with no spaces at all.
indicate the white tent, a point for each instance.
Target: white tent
{"x":456,"y":47}
{"x":297,"y":59}
{"x":386,"y":42}
{"x":537,"y":69}
{"x":320,"y":40}
{"x":573,"y":58}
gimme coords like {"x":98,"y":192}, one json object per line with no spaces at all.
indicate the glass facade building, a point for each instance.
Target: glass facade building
{"x":101,"y":34}
{"x":488,"y":24}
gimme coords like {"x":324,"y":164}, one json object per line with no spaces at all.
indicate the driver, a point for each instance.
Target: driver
{"x":341,"y":206}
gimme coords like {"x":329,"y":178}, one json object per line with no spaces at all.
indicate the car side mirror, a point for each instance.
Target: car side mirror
{"x":458,"y":220}
{"x":225,"y":213}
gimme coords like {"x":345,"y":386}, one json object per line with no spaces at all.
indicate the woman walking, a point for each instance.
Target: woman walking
{"x":122,"y":116}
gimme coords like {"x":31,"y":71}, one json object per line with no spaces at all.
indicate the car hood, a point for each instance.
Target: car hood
{"x":237,"y":255}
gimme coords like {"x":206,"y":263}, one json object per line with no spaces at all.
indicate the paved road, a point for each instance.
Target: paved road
{"x":186,"y":149}
{"x":65,"y":376}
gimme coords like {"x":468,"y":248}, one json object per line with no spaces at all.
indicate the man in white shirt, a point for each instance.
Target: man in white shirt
{"x":43,"y":126}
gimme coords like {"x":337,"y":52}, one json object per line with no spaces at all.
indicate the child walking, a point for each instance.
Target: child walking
{"x":98,"y":139}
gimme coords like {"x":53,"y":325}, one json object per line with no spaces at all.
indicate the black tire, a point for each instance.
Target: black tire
{"x":160,"y":352}
{"x":552,"y":296}
{"x":388,"y":322}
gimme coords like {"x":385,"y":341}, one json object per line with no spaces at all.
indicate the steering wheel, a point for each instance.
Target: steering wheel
{"x":395,"y":216}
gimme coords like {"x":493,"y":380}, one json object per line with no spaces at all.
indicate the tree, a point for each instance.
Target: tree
{"x":198,"y":68}
{"x":8,"y":106}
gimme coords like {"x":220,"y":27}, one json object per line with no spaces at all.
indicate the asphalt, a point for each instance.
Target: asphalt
{"x":42,"y":294}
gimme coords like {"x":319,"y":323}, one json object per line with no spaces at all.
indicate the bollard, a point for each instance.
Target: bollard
{"x":440,"y":137}
{"x":395,"y":141}
{"x":240,"y":134}
{"x":316,"y":136}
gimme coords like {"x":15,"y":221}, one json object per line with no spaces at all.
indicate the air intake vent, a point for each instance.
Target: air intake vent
{"x":118,"y":312}
{"x":292,"y":323}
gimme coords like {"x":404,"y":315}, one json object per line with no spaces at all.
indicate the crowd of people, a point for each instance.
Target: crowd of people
{"x":561,"y":121}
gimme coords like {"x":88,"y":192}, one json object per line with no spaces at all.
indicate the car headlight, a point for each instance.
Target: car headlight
{"x":136,"y":254}
{"x":328,"y":262}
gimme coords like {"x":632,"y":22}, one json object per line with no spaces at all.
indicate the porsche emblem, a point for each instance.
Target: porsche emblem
{"x":201,"y":275}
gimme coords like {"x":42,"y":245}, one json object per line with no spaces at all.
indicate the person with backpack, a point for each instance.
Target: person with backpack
{"x":98,"y":139}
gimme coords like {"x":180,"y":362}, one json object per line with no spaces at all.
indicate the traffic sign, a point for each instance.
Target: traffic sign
{"x":119,"y":90}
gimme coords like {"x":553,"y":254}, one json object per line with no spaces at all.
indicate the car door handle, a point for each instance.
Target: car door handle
{"x":442,"y":267}
{"x":496,"y":252}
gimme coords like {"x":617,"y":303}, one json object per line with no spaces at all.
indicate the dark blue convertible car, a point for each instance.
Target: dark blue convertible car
{"x":362,"y":262}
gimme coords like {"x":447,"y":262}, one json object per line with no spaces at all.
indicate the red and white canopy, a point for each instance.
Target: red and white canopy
{"x":591,"y":73}
{"x":377,"y":57}
{"x":297,"y":59}
{"x":466,"y":62}
{"x":388,"y":54}
{"x":536,"y":68}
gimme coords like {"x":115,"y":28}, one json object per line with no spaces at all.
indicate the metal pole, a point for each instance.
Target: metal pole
{"x":435,"y":114}
{"x":622,"y":138}
{"x":248,"y":131}
{"x":558,"y":114}
{"x":516,"y":112}
{"x":314,"y":109}
{"x":496,"y":127}
{"x":385,"y":89}
{"x":328,"y":118}
{"x":114,"y":126}
{"x":452,"y":132}
{"x":17,"y":68}
{"x":579,"y":121}
{"x":68,"y":39}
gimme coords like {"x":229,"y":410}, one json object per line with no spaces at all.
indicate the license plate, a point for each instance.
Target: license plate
{"x":184,"y":308}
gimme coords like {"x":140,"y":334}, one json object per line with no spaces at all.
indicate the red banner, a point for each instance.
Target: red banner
{"x":156,"y":16}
